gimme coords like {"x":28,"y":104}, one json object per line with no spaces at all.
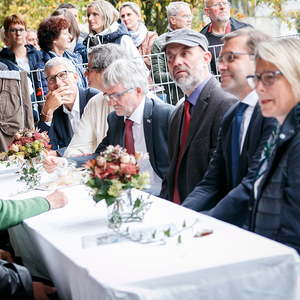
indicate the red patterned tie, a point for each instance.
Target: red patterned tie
{"x":184,"y":135}
{"x":129,"y":141}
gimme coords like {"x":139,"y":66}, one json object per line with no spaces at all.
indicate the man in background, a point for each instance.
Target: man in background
{"x":221,"y":23}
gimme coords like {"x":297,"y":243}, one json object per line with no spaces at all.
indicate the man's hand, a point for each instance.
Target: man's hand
{"x":6,"y":256}
{"x":57,"y":199}
{"x":54,"y":99}
{"x":40,"y":290}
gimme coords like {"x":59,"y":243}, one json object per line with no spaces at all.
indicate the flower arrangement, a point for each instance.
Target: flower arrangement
{"x":26,"y":144}
{"x":27,"y":149}
{"x":114,"y":171}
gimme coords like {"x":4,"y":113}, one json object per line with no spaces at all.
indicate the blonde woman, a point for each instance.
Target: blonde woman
{"x":275,"y":209}
{"x":104,"y":27}
{"x":143,"y":39}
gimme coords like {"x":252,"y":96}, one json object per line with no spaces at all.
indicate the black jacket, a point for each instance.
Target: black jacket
{"x":275,"y":213}
{"x":15,"y":282}
{"x":212,"y":192}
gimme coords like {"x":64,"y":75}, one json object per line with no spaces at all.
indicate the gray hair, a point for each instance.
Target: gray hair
{"x":284,"y":54}
{"x":55,"y":61}
{"x":129,"y":73}
{"x":102,"y":56}
{"x":254,"y":37}
{"x":107,"y":11}
{"x":174,"y":7}
{"x":133,"y":6}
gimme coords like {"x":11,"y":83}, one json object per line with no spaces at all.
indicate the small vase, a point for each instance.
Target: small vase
{"x":30,"y":172}
{"x":127,"y":208}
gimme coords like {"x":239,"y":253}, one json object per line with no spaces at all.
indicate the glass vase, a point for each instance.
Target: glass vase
{"x":128,"y":207}
{"x":30,"y":172}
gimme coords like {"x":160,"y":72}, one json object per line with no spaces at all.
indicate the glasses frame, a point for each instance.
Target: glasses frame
{"x":62,"y":75}
{"x":16,"y":30}
{"x":89,"y":70}
{"x":116,"y":96}
{"x":254,"y":79}
{"x":221,"y":60}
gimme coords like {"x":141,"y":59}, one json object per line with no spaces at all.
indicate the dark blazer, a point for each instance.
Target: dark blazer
{"x":207,"y":115}
{"x":217,"y":182}
{"x":60,"y":132}
{"x":275,"y":213}
{"x":156,"y":124}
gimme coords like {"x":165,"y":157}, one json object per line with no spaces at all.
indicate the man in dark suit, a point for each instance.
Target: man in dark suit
{"x":148,"y":116}
{"x":195,"y":124}
{"x":220,"y":190}
{"x":65,"y":102}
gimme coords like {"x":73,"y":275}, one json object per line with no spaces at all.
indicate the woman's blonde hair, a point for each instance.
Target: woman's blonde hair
{"x":284,"y":53}
{"x":108,"y":12}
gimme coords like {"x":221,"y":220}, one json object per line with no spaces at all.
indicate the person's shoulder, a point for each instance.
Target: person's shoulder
{"x":236,"y":24}
{"x":204,"y":30}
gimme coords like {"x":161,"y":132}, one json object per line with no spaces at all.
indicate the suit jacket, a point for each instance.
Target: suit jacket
{"x":60,"y":132}
{"x":156,"y":124}
{"x":207,"y":115}
{"x":217,"y":182}
{"x":276,"y":209}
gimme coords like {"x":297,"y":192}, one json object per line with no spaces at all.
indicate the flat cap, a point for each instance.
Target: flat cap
{"x":187,"y":37}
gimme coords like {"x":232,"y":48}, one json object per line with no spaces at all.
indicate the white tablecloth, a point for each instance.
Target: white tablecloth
{"x":228,"y":264}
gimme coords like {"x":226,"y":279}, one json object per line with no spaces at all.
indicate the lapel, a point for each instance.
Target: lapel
{"x":175,"y":134}
{"x":147,"y":124}
{"x":118,"y":134}
{"x":82,"y":99}
{"x":198,"y":114}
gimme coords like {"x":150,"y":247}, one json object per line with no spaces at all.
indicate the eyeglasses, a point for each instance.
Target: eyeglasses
{"x":89,"y":70}
{"x":116,"y":96}
{"x":15,"y":30}
{"x":230,"y":57}
{"x":219,"y":4}
{"x":62,"y":75}
{"x":267,"y":78}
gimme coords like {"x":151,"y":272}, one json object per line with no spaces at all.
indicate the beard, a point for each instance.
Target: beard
{"x":189,"y":82}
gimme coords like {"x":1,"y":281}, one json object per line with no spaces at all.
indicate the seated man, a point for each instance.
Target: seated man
{"x":139,"y":123}
{"x":15,"y":280}
{"x":65,"y":102}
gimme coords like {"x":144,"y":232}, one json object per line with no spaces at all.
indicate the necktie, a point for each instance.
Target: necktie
{"x":235,"y":141}
{"x":184,"y":135}
{"x":129,"y":141}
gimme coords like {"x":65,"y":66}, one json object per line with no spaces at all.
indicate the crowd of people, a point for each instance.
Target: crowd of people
{"x":228,"y":148}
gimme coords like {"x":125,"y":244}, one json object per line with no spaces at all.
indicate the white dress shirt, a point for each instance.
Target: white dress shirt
{"x":251,"y":99}
{"x":140,"y":146}
{"x":74,"y":114}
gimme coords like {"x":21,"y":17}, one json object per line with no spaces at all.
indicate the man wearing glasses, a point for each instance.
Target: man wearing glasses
{"x":242,"y":136}
{"x":221,"y":23}
{"x":65,"y":102}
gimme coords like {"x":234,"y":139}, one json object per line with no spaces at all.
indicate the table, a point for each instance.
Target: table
{"x":228,"y":264}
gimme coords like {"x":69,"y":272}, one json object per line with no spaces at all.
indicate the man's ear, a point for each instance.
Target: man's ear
{"x":76,"y":76}
{"x":172,"y":20}
{"x":206,"y":11}
{"x":207,"y":57}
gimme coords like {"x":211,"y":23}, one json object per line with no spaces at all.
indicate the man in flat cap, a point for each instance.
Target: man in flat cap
{"x":195,"y":123}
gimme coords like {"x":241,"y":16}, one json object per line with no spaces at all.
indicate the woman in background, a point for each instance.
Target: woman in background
{"x":55,"y":40}
{"x":104,"y":28}
{"x":143,"y":39}
{"x":77,"y":46}
{"x":275,"y":209}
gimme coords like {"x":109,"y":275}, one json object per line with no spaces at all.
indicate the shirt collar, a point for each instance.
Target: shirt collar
{"x":75,"y":107}
{"x":138,"y":114}
{"x":251,"y":99}
{"x":193,"y":97}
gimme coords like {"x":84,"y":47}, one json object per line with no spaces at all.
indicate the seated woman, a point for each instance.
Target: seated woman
{"x":275,"y":207}
{"x":104,"y":27}
{"x":55,"y":40}
{"x":143,"y":39}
